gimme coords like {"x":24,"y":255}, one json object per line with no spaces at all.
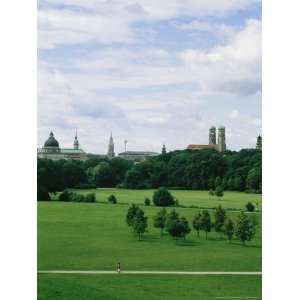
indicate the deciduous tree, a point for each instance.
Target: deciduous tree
{"x":245,"y":229}
{"x":159,"y":220}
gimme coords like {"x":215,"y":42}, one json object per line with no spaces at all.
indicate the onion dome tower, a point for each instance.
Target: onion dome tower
{"x":51,"y":145}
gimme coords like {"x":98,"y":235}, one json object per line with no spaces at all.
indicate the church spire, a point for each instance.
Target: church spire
{"x":111,"y":147}
{"x":76,"y":143}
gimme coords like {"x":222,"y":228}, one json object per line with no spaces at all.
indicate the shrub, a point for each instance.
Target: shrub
{"x":77,"y":197}
{"x":162,"y":197}
{"x":91,"y":197}
{"x":211,"y":192}
{"x":250,"y":207}
{"x":147,"y":201}
{"x":219,"y":191}
{"x":112,"y":199}
{"x":65,"y":196}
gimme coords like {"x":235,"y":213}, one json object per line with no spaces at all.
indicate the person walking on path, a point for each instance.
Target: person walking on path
{"x":119,"y":268}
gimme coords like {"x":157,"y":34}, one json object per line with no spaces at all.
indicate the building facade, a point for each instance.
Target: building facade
{"x":212,"y":140}
{"x":51,"y":150}
{"x":137,"y":155}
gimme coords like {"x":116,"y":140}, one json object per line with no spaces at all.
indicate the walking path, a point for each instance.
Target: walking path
{"x":146,"y":272}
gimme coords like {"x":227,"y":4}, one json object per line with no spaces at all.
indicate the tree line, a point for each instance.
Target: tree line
{"x":204,"y":170}
{"x":177,"y":226}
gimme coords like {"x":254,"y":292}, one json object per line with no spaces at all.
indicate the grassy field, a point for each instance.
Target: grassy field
{"x":95,"y":236}
{"x":151,"y":287}
{"x":234,"y":200}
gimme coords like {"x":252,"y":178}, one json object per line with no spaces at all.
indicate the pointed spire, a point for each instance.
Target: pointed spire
{"x":76,"y":143}
{"x":111,"y":147}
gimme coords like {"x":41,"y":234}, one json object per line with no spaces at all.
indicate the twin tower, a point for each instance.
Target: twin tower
{"x":221,"y":145}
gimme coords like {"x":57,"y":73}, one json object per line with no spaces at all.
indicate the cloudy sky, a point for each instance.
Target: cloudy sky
{"x":149,"y":71}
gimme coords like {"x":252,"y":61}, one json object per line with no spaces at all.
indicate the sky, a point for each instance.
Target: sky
{"x":151,"y":72}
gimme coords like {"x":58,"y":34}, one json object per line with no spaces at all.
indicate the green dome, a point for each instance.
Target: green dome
{"x":51,"y":142}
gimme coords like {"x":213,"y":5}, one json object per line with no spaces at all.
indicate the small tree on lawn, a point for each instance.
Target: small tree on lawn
{"x":171,"y":216}
{"x":139,"y":223}
{"x":245,"y":229}
{"x":162,"y":197}
{"x":147,"y":201}
{"x":229,"y":229}
{"x":220,"y":217}
{"x":159,"y":220}
{"x":250,"y":207}
{"x":132,"y":211}
{"x":112,"y":199}
{"x":178,"y":227}
{"x":185,"y":227}
{"x":197,"y":223}
{"x":206,"y":222}
{"x":219,"y":192}
{"x":211,"y":192}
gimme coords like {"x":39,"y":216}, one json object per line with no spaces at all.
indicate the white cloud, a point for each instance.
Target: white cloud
{"x":234,"y":114}
{"x":160,"y":10}
{"x":234,"y":67}
{"x":112,"y":21}
{"x":58,"y":27}
{"x":146,"y":94}
{"x":220,"y":30}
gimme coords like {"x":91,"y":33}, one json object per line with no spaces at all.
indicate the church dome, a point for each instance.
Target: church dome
{"x":51,"y":141}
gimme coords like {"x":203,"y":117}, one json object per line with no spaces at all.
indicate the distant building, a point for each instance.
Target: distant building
{"x":212,"y":141}
{"x":221,"y":139}
{"x":137,"y":155}
{"x":51,"y":150}
{"x":111,"y":147}
{"x":259,"y":143}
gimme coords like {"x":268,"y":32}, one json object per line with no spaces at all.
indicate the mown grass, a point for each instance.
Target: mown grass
{"x":95,"y":236}
{"x":233,"y":200}
{"x":151,"y":287}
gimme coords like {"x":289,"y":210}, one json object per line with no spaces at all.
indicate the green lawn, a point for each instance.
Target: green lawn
{"x":95,"y":236}
{"x":234,"y":200}
{"x":150,"y":287}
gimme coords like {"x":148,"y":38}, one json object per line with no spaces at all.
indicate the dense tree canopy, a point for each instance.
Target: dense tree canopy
{"x":199,"y":169}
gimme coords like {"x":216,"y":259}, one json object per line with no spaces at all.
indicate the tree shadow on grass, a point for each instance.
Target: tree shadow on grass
{"x":149,"y":238}
{"x":236,"y":243}
{"x":217,"y":239}
{"x":185,"y":243}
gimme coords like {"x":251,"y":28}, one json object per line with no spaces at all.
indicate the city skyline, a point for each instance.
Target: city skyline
{"x":124,"y":143}
{"x":120,"y":68}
